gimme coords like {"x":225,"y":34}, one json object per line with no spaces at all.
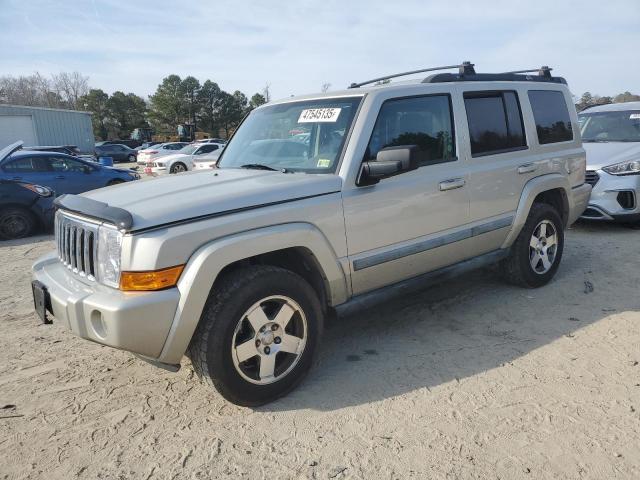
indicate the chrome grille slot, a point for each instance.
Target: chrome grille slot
{"x":76,"y":241}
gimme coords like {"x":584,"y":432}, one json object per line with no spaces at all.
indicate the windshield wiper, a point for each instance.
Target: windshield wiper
{"x":259,"y":166}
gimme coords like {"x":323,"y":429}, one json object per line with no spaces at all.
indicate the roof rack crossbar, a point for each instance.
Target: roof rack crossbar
{"x":464,"y":68}
{"x":543,"y":71}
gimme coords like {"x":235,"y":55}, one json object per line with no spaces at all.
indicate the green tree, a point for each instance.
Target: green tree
{"x":209,"y":99}
{"x":189,"y":89}
{"x":96,"y":101}
{"x":232,"y":110}
{"x":167,"y":104}
{"x":127,"y":112}
{"x":257,"y":100}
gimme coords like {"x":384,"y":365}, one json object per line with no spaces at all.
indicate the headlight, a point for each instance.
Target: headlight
{"x":109,"y":248}
{"x":39,"y":189}
{"x":161,"y":165}
{"x":624,"y":168}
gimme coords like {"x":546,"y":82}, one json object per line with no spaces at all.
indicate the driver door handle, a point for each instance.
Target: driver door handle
{"x":451,"y":184}
{"x":60,"y":177}
{"x":527,"y":168}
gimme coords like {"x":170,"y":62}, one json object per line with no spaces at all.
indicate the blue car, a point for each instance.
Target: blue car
{"x":61,"y":173}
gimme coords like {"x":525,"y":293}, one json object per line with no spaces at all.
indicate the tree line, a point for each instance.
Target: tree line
{"x":176,"y":101}
{"x":589,"y":100}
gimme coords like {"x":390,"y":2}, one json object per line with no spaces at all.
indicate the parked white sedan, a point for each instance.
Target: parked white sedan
{"x":148,"y":154}
{"x":209,"y":161}
{"x":184,"y":159}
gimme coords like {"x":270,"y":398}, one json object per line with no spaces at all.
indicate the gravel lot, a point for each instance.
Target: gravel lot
{"x":470,"y":379}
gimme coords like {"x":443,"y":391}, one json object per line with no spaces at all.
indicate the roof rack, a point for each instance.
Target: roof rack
{"x":463,"y":68}
{"x":544,"y":75}
{"x":467,"y":73}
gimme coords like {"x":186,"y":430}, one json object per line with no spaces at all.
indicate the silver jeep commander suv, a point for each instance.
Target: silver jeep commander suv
{"x":320,"y":204}
{"x":611,"y":136}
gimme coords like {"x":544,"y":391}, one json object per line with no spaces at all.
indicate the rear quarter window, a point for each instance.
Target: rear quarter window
{"x":553,"y":123}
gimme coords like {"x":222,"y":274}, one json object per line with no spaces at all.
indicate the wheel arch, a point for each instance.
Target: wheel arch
{"x":552,"y":189}
{"x":299,"y":247}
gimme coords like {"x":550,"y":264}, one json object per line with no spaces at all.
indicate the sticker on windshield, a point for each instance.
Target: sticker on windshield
{"x":312,"y":115}
{"x":634,"y":116}
{"x":323,"y":163}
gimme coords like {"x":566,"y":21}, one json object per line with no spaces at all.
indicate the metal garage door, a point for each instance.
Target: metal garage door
{"x":17,"y":127}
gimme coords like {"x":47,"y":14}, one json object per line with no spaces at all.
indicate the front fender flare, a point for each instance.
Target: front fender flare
{"x":531,"y":190}
{"x":207,"y":262}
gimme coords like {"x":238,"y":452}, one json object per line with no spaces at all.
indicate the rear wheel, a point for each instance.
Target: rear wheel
{"x":16,"y":222}
{"x":258,"y":334}
{"x":535,"y":255}
{"x":178,"y":167}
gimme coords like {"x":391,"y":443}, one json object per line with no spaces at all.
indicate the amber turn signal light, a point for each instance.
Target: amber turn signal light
{"x":151,"y":280}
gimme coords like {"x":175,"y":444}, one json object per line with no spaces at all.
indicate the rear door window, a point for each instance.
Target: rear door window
{"x":495,"y":122}
{"x":25,"y":165}
{"x":551,"y":115}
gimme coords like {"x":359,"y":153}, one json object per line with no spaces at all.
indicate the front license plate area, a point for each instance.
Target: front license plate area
{"x":41,"y":301}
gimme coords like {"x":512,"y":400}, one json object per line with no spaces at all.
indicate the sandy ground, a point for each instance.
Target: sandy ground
{"x":471,"y":379}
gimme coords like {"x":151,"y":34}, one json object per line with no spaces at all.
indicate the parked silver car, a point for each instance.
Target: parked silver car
{"x":399,"y":185}
{"x":611,"y":137}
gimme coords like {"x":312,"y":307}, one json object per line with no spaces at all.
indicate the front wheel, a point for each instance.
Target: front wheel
{"x":535,"y":255}
{"x":15,"y":223}
{"x":178,"y":168}
{"x":131,"y":158}
{"x":258,"y":334}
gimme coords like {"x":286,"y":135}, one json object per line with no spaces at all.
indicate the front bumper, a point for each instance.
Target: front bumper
{"x":578,"y":201}
{"x":138,"y":322}
{"x":614,"y":198}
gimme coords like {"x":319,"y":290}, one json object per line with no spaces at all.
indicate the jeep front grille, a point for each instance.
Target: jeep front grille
{"x":592,"y":177}
{"x":76,"y":242}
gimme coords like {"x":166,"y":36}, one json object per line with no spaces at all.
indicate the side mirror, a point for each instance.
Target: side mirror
{"x":389,"y":162}
{"x":87,"y":169}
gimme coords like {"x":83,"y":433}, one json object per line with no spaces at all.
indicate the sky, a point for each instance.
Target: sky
{"x":297,"y":46}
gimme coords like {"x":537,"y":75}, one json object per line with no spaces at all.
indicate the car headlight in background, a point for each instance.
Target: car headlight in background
{"x":625,"y":168}
{"x":109,"y":250}
{"x":39,"y":189}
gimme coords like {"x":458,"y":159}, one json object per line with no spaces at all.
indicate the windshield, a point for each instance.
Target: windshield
{"x":621,"y":126}
{"x":303,"y":136}
{"x":189,"y":149}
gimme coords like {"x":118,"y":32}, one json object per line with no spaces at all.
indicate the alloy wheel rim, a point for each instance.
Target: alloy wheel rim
{"x":543,"y":247}
{"x":178,"y":168}
{"x":269,"y":340}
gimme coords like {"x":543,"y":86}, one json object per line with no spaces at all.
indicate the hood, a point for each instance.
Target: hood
{"x":5,"y":152}
{"x":602,"y":154}
{"x":178,"y":197}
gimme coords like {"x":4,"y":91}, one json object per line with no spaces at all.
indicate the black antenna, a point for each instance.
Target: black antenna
{"x":464,"y":68}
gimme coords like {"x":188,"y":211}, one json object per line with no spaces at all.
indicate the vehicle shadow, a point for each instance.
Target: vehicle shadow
{"x":33,"y":240}
{"x":469,"y":325}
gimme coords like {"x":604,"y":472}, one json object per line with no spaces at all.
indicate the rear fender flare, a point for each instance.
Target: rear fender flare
{"x":531,"y":190}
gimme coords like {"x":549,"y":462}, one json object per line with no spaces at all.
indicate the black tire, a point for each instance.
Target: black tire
{"x":176,"y":166}
{"x":211,"y":347}
{"x":16,"y":222}
{"x":517,"y":268}
{"x":131,"y":159}
{"x":115,"y":181}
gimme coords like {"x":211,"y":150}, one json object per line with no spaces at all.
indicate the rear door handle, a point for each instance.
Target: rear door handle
{"x":60,"y":177}
{"x":17,"y":178}
{"x":527,"y":168}
{"x":451,"y":184}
